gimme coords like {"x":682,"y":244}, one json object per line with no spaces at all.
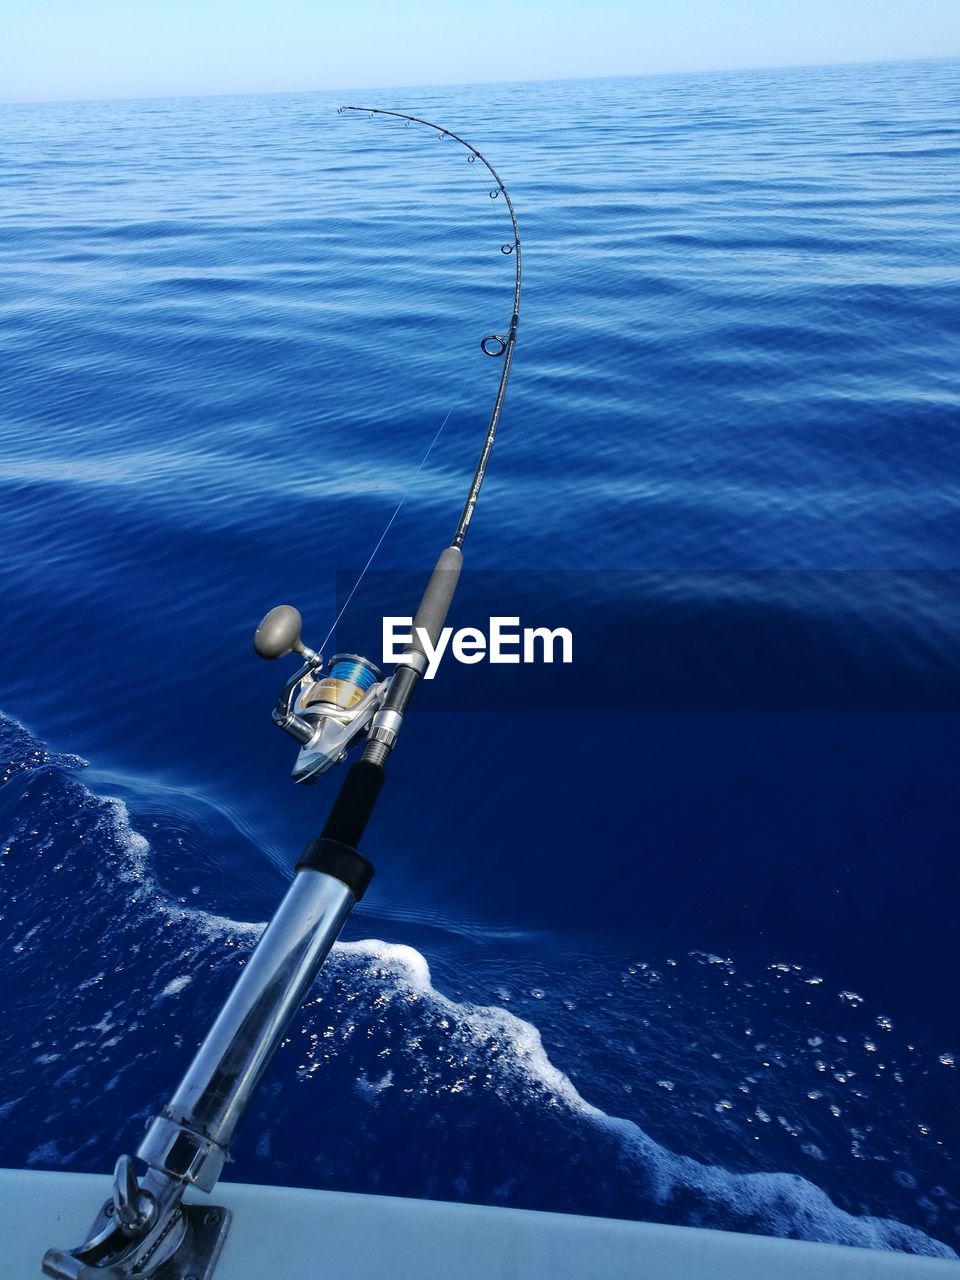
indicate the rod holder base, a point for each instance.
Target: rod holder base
{"x":202,"y":1229}
{"x":209,"y":1224}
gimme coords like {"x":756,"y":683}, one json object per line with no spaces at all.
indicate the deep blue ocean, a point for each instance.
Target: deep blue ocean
{"x":688,"y":958}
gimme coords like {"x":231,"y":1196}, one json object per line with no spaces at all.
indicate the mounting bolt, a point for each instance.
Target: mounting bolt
{"x":210,"y":1220}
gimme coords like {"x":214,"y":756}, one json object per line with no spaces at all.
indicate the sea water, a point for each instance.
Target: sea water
{"x":683,"y":956}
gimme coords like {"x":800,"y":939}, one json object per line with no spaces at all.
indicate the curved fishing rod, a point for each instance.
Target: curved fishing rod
{"x":506,"y":344}
{"x":145,"y":1229}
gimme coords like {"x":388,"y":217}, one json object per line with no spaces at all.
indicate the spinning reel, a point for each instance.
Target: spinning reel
{"x":326,"y":707}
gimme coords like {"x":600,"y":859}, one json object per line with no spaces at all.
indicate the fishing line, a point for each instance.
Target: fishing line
{"x":403,"y":497}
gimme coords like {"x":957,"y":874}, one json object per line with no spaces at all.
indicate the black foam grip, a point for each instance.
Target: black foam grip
{"x":354,"y":803}
{"x":339,"y":860}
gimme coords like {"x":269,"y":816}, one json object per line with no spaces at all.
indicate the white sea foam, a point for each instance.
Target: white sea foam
{"x":176,"y":985}
{"x":514,"y":1056}
{"x":786,"y":1203}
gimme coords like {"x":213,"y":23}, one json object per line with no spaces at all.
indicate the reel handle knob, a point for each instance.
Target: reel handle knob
{"x":279,"y":633}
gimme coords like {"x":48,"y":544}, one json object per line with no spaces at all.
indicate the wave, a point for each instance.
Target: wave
{"x":111,"y":981}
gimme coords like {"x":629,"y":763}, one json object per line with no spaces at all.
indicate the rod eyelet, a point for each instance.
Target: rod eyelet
{"x":488,"y":350}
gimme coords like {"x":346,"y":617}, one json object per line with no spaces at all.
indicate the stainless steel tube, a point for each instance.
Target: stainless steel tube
{"x":216,"y":1090}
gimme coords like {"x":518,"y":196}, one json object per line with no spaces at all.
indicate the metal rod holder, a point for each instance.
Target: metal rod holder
{"x":191,"y":1137}
{"x":145,"y":1229}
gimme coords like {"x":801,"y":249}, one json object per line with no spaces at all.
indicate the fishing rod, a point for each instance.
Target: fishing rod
{"x":146,"y":1230}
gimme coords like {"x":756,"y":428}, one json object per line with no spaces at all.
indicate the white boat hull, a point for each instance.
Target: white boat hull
{"x":281,"y":1232}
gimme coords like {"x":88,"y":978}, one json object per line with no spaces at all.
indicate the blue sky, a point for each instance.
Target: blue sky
{"x":143,"y":48}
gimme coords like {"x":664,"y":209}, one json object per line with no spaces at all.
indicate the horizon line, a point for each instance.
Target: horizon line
{"x":464,"y":84}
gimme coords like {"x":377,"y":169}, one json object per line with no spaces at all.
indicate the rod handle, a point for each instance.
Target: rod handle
{"x":435,"y":603}
{"x":354,"y":803}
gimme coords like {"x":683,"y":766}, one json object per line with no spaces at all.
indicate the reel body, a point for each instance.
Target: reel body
{"x":327,"y":707}
{"x":340,"y":705}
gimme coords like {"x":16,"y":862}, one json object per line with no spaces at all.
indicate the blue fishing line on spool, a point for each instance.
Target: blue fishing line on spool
{"x":357,"y":673}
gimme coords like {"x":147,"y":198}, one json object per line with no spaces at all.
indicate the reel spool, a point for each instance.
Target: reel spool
{"x":349,"y":678}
